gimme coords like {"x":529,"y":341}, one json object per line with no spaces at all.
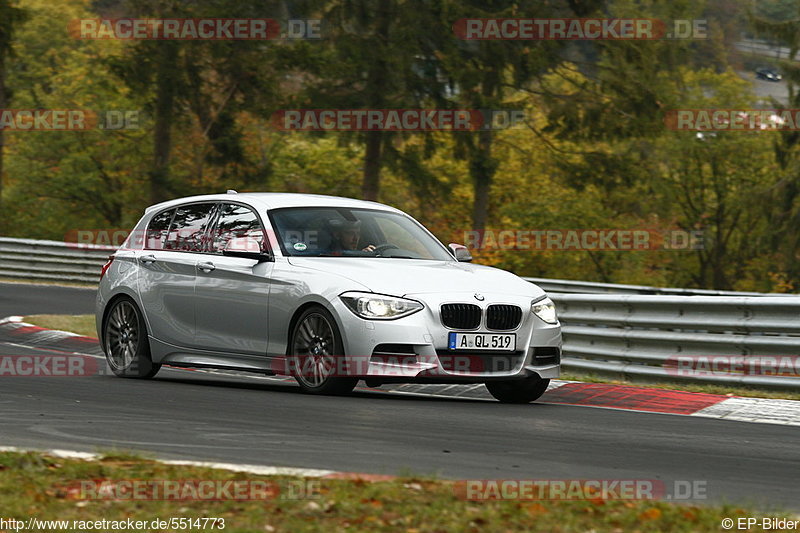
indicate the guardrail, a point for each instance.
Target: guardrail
{"x":765,"y":48}
{"x":630,"y":331}
{"x":590,"y":287}
{"x":677,"y":338}
{"x":51,"y":260}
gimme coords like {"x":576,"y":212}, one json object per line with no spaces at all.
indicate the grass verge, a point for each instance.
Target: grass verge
{"x":80,"y":324}
{"x":40,"y":486}
{"x":76,"y":284}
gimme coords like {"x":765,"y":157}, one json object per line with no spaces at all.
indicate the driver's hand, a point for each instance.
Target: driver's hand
{"x":370,"y":248}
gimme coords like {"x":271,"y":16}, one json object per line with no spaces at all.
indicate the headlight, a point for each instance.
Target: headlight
{"x":545,"y":309}
{"x":378,"y":306}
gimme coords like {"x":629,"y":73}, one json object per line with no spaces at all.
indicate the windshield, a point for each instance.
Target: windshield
{"x":344,"y":232}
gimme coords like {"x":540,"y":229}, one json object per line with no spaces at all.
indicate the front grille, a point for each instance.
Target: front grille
{"x":503,"y":317}
{"x":461,"y":316}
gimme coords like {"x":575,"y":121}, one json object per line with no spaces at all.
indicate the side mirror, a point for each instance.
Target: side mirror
{"x":246,"y":247}
{"x":460,"y":252}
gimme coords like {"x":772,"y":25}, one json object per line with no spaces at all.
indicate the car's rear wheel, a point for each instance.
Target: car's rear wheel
{"x":519,"y":390}
{"x":125,"y":342}
{"x":315,"y":354}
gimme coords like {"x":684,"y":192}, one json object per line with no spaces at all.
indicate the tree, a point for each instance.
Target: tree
{"x":485,"y":71}
{"x":783,"y":201}
{"x":371,"y":59}
{"x":10,"y":17}
{"x":198,"y":83}
{"x":65,"y":180}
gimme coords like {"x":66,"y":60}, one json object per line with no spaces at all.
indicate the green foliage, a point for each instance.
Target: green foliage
{"x":65,"y":180}
{"x":593,"y":152}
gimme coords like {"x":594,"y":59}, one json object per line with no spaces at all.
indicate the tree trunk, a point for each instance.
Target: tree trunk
{"x":482,"y":168}
{"x":376,"y":99}
{"x":719,"y":279}
{"x":371,"y":182}
{"x":482,"y":165}
{"x":164,"y":114}
{"x":2,"y":133}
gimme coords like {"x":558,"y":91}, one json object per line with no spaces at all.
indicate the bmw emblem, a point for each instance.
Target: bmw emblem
{"x":478,"y":296}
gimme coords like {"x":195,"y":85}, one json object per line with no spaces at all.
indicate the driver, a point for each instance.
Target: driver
{"x":346,"y":235}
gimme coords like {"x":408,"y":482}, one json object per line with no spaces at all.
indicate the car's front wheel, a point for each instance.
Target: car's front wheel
{"x":519,"y":390}
{"x":125,"y":342}
{"x":316,"y":350}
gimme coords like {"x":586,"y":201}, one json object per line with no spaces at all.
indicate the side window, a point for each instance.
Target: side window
{"x":157,"y":230}
{"x":236,"y":221}
{"x":186,"y":234}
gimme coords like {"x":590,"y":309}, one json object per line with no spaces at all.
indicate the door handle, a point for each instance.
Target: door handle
{"x":206,"y":267}
{"x":147,"y":259}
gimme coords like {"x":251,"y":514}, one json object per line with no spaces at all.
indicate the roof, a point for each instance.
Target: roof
{"x":273,"y":200}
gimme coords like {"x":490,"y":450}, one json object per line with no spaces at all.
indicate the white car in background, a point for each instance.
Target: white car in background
{"x":328,"y":290}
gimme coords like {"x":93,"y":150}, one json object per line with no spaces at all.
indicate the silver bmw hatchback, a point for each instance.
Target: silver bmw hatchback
{"x":327,"y":290}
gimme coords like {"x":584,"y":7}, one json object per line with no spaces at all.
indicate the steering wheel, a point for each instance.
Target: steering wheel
{"x":383,"y":247}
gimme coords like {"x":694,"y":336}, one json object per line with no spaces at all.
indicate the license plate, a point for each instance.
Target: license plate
{"x":506,"y":342}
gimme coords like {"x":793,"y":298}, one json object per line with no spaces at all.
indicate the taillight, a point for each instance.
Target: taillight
{"x":106,"y":266}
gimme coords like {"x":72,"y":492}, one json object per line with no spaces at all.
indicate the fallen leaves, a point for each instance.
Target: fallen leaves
{"x":653,"y":513}
{"x":536,"y":509}
{"x":372,"y":502}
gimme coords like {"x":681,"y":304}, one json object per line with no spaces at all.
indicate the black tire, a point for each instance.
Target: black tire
{"x":518,"y":391}
{"x":315,"y":347}
{"x":125,"y":342}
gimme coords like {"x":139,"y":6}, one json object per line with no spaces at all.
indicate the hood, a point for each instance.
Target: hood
{"x":400,"y":277}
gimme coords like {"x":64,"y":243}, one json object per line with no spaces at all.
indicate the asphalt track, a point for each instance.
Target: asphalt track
{"x":200,"y":416}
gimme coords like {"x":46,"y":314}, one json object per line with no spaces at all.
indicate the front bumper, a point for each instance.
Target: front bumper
{"x":416,"y":347}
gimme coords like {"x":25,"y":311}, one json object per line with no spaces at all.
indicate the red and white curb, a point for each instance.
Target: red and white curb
{"x":758,"y":410}
{"x":14,"y":331}
{"x":258,"y":470}
{"x":599,"y":395}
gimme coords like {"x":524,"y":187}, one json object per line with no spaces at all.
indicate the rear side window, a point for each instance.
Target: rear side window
{"x":157,"y":230}
{"x":187,"y":232}
{"x":236,"y":221}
